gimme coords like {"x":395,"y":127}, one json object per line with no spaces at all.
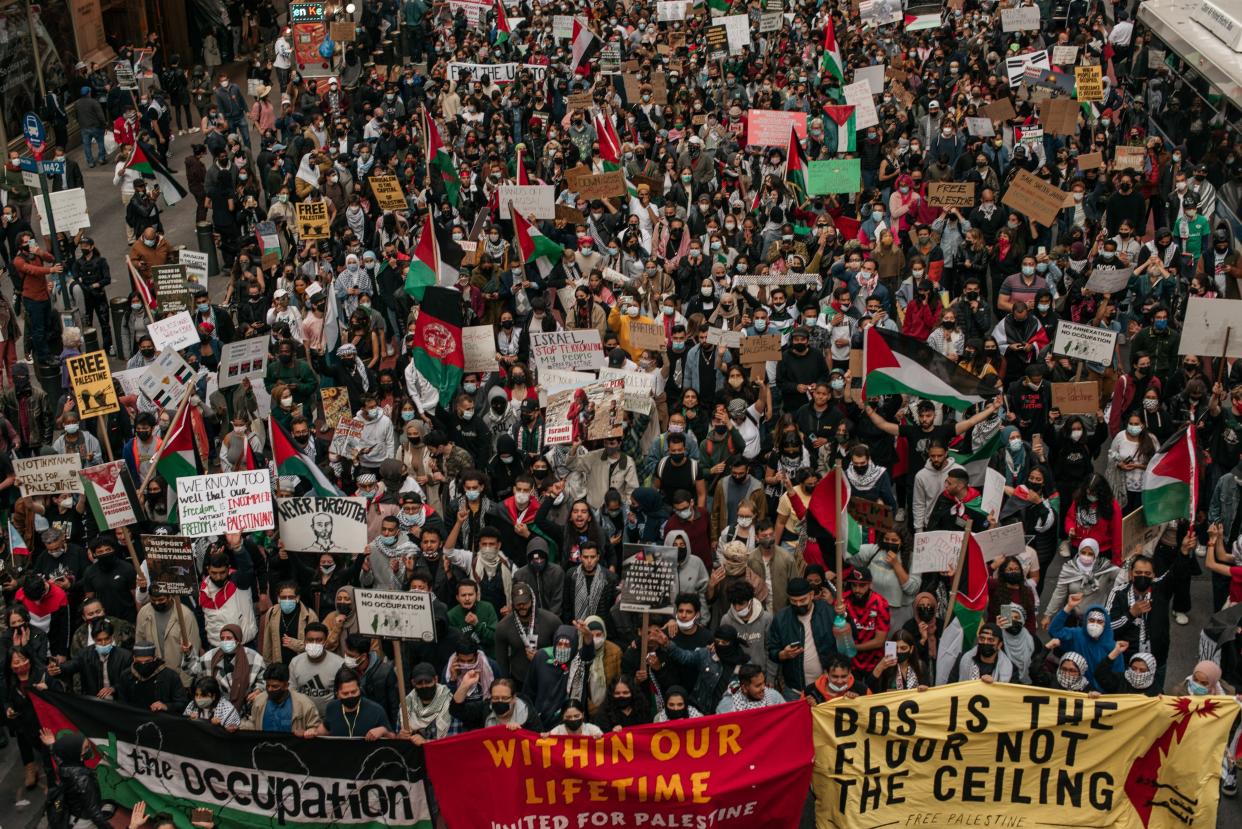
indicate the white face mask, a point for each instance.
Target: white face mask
{"x":314,"y":650}
{"x":1095,"y":629}
{"x":521,"y":498}
{"x":745,"y":521}
{"x":683,"y":624}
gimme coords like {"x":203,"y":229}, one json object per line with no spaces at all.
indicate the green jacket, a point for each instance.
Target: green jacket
{"x":413,"y":11}
{"x":297,"y":374}
{"x":15,"y":185}
{"x":1162,"y":346}
{"x":485,"y":630}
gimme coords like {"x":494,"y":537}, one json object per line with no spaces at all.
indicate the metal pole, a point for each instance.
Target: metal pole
{"x":51,"y":227}
{"x":34,"y":47}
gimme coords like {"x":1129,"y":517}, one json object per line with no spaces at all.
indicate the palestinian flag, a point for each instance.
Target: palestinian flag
{"x":1039,"y":339}
{"x":503,"y":32}
{"x":584,"y":46}
{"x":796,"y":167}
{"x":609,"y":143}
{"x":149,"y":166}
{"x":437,"y":348}
{"x":827,"y":517}
{"x":520,"y":176}
{"x":531,"y":244}
{"x":17,"y":544}
{"x":845,"y":117}
{"x":919,"y":22}
{"x":719,"y":5}
{"x":972,"y":593}
{"x":437,"y":157}
{"x":831,"y":61}
{"x":436,"y":260}
{"x":141,"y":286}
{"x":176,"y":457}
{"x":894,"y":363}
{"x":975,"y":461}
{"x":289,"y":461}
{"x":1171,"y":480}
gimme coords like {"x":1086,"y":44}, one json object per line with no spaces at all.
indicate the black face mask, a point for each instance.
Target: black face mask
{"x":801,"y":609}
{"x":344,"y":609}
{"x":986,"y":651}
{"x":680,"y":714}
{"x":145,"y":669}
{"x":278,"y":696}
{"x":1015,"y":627}
{"x":1010,"y":577}
{"x":1142,"y":583}
{"x":926,"y":614}
{"x":501,"y":708}
{"x":426,"y":694}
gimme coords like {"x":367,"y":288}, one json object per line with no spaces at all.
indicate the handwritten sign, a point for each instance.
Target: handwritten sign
{"x":478,"y":344}
{"x":980,"y":127}
{"x":1136,"y":536}
{"x":1032,"y":196}
{"x":230,"y":502}
{"x":1076,"y":398}
{"x":1129,"y":158}
{"x":721,"y":337}
{"x":951,"y":194}
{"x":1089,"y":82}
{"x":874,"y":515}
{"x":1109,"y":280}
{"x":770,"y":128}
{"x":575,"y":350}
{"x":1064,"y":55}
{"x":92,"y":384}
{"x":597,"y":185}
{"x":1090,"y":161}
{"x":837,"y":175}
{"x":936,"y":551}
{"x":761,"y":348}
{"x":1085,"y":342}
{"x":648,"y":336}
{"x":49,"y":474}
{"x":1020,"y":19}
{"x":531,"y":200}
{"x":1208,"y":324}
{"x":175,"y":332}
{"x":998,"y":542}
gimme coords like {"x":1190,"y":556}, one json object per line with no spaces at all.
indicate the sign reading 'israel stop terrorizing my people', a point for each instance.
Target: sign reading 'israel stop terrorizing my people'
{"x":323,"y":525}
{"x":567,"y":350}
{"x":230,"y":502}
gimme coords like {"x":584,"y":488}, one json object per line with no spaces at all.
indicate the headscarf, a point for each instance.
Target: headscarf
{"x":1079,"y":684}
{"x":1020,"y":646}
{"x":1014,"y":461}
{"x":1148,"y":660}
{"x":597,"y":680}
{"x":351,"y":621}
{"x":933,"y":626}
{"x":238,"y":666}
{"x":348,"y":350}
{"x":735,"y":558}
{"x":1211,"y":672}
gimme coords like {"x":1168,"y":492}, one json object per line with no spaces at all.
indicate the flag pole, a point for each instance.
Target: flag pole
{"x":957,"y":572}
{"x":146,"y":479}
{"x":838,"y":491}
{"x":134,"y":275}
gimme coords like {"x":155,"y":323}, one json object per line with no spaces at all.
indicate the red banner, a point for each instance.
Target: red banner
{"x":747,"y":770}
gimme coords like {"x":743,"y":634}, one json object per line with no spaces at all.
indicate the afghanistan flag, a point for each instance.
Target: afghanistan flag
{"x":827,"y":518}
{"x":246,"y":779}
{"x":894,"y":363}
{"x":289,"y":461}
{"x":176,"y":457}
{"x":503,"y":31}
{"x":437,"y":157}
{"x":437,"y":341}
{"x":795,"y":167}
{"x":831,"y":61}
{"x":436,"y":260}
{"x":1171,"y":480}
{"x":845,"y":118}
{"x":149,"y":166}
{"x":584,"y":46}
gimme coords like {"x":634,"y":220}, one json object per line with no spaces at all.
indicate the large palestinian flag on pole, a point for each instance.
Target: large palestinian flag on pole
{"x":972,"y":592}
{"x":827,"y":518}
{"x":831,"y":61}
{"x":1171,"y":480}
{"x":437,"y":157}
{"x":796,"y":167}
{"x":289,"y":461}
{"x":176,"y":457}
{"x":894,"y":363}
{"x":532,"y":245}
{"x":437,"y":348}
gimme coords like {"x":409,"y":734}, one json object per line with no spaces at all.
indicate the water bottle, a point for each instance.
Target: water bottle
{"x":844,"y":636}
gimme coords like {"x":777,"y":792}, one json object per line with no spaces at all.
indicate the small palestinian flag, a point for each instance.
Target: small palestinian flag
{"x":919,"y":22}
{"x":289,"y":461}
{"x":719,"y":5}
{"x":145,"y":162}
{"x":795,"y":167}
{"x":17,"y":544}
{"x":437,"y":157}
{"x":437,"y":348}
{"x":831,"y":62}
{"x":846,"y":120}
{"x":972,"y":592}
{"x":584,"y":46}
{"x":142,"y":287}
{"x":1171,"y":480}
{"x":503,"y":32}
{"x":436,"y":260}
{"x":532,"y":245}
{"x":895,"y":363}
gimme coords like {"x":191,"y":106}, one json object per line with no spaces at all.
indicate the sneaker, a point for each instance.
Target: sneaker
{"x":1181,"y":618}
{"x":196,"y":129}
{"x":1201,"y":550}
{"x":1229,"y":782}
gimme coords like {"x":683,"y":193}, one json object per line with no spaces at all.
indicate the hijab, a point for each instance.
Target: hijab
{"x":238,"y":666}
{"x":1020,"y":646}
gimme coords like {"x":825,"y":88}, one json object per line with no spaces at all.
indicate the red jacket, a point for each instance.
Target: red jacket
{"x":1106,"y":532}
{"x":34,"y":275}
{"x":699,"y":530}
{"x":920,"y":319}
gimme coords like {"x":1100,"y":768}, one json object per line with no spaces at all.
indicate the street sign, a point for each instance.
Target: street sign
{"x":32,"y":129}
{"x":52,"y":168}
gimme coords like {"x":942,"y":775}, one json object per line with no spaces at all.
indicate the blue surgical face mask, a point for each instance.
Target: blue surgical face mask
{"x":1161,"y":325}
{"x":288,"y":605}
{"x":1042,"y":267}
{"x":1196,"y":689}
{"x":203,"y":307}
{"x":876,"y":215}
{"x":407,"y":416}
{"x":837,"y":385}
{"x":1028,"y":270}
{"x":226,"y":645}
{"x":387,"y":541}
{"x":761,"y":325}
{"x":473,"y":494}
{"x":104,"y":650}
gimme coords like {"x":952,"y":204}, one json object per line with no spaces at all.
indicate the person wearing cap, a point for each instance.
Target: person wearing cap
{"x":1192,"y":228}
{"x":870,"y":618}
{"x":91,"y":273}
{"x":520,"y":634}
{"x":149,"y":683}
{"x":427,"y":705}
{"x":800,"y":368}
{"x":985,"y":661}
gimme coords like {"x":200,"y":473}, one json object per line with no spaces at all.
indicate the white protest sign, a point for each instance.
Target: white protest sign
{"x":474,"y":9}
{"x":230,"y":502}
{"x":737,"y":26}
{"x":165,"y":381}
{"x":576,"y":350}
{"x":69,"y":210}
{"x":873,"y":75}
{"x":640,"y":388}
{"x":1206,"y":325}
{"x":980,"y":127}
{"x":998,"y":542}
{"x":396,"y":614}
{"x":478,"y":345}
{"x":498,"y":73}
{"x":48,"y":474}
{"x":1064,"y":55}
{"x":1084,"y":342}
{"x":242,"y":359}
{"x":728,"y":339}
{"x":936,"y":551}
{"x":128,"y":379}
{"x":1109,"y":280}
{"x":858,"y":94}
{"x":553,"y":380}
{"x":1016,"y":66}
{"x":993,"y":492}
{"x":323,"y":525}
{"x":563,"y":26}
{"x":175,"y":332}
{"x":1020,"y":19}
{"x":536,"y":201}
{"x":195,"y":262}
{"x":669,"y":11}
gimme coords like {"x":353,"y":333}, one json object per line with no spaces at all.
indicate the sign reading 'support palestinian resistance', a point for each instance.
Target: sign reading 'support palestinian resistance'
{"x":972,"y":754}
{"x":248,"y":779}
{"x":747,"y":770}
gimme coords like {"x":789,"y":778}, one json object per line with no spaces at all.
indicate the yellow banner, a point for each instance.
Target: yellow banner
{"x":978,"y":755}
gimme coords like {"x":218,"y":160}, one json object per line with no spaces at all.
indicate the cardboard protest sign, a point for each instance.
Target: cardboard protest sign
{"x":171,"y":567}
{"x":648,"y":335}
{"x":69,"y":209}
{"x":242,"y":359}
{"x":1136,"y":536}
{"x":581,"y":100}
{"x":936,"y":551}
{"x":999,"y":110}
{"x":1208,"y":324}
{"x":838,"y":175}
{"x":761,"y":348}
{"x":597,"y":185}
{"x":563,"y":26}
{"x":48,"y":474}
{"x":1032,"y":196}
{"x":1090,"y":161}
{"x":335,"y":402}
{"x":175,"y":332}
{"x":533,"y":201}
{"x":1076,"y":398}
{"x":1129,"y":158}
{"x":171,"y":291}
{"x":655,"y":183}
{"x":770,"y":128}
{"x":109,"y":490}
{"x":951,"y":194}
{"x":166,"y":380}
{"x":649,"y":578}
{"x":230,"y":502}
{"x":388,"y":193}
{"x":998,"y":542}
{"x":572,"y":215}
{"x":873,"y":75}
{"x":1089,"y":83}
{"x":312,"y":220}
{"x":1060,"y":116}
{"x":93,"y":391}
{"x":343,"y":31}
{"x":993,"y":492}
{"x":1086,"y":342}
{"x":1109,"y":280}
{"x":323,"y":525}
{"x":478,"y":344}
{"x":404,"y":614}
{"x":980,"y":127}
{"x":574,"y":350}
{"x":728,"y":339}
{"x":875,"y":515}
{"x":858,"y":95}
{"x":1020,"y":19}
